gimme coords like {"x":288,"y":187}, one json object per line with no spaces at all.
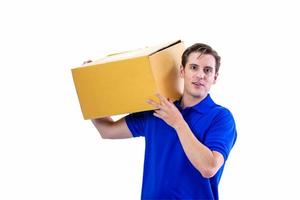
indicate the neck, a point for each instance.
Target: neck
{"x":190,"y":101}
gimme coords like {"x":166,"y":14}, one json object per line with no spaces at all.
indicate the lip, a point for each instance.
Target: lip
{"x":198,"y":84}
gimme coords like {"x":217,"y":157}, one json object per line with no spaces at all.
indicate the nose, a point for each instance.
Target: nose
{"x":200,"y":74}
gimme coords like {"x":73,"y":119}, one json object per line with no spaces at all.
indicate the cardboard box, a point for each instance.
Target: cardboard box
{"x":121,"y":83}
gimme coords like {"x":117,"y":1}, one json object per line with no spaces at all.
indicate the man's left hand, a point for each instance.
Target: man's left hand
{"x":166,"y":111}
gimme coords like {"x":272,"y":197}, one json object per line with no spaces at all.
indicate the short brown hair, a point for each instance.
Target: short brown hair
{"x":203,"y":49}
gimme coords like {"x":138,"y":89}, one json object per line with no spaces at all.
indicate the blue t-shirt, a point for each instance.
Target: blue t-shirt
{"x":168,"y":173}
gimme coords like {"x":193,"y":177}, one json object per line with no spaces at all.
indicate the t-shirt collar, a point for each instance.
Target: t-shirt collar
{"x":201,"y":107}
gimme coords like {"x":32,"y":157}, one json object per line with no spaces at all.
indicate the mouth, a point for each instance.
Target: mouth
{"x":198,"y":84}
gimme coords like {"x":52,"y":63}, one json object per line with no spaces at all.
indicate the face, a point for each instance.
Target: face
{"x":199,"y":75}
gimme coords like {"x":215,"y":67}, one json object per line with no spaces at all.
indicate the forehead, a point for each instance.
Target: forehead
{"x":201,"y":59}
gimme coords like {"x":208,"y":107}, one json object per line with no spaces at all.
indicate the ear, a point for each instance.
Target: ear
{"x":181,"y":71}
{"x":216,"y":77}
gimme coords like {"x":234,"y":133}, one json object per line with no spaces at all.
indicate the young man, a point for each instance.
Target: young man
{"x":188,"y":142}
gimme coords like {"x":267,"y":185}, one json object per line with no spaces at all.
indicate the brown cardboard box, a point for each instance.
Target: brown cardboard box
{"x":121,"y":83}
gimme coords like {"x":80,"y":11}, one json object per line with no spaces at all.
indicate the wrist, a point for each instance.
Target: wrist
{"x":180,"y":125}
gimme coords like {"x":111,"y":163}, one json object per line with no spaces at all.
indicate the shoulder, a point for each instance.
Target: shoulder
{"x":222,"y":113}
{"x":140,"y":115}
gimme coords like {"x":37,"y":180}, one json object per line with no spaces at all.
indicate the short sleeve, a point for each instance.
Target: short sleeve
{"x":222,"y":134}
{"x":136,"y":123}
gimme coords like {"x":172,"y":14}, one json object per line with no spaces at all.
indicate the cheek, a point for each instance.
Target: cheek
{"x":212,"y":81}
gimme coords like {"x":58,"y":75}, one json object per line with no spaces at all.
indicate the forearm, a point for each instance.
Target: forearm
{"x":102,"y":125}
{"x":110,"y":129}
{"x":202,"y":158}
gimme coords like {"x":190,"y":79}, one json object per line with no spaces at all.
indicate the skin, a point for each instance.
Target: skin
{"x":199,"y":75}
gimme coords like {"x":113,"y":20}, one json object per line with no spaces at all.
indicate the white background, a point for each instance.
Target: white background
{"x":47,"y":150}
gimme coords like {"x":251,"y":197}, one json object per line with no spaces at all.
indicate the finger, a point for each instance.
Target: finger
{"x":162,"y":99}
{"x":154,"y":104}
{"x":162,"y":113}
{"x":170,"y":101}
{"x":157,"y":115}
{"x":87,"y":61}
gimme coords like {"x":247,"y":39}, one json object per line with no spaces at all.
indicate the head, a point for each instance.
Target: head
{"x":199,"y":67}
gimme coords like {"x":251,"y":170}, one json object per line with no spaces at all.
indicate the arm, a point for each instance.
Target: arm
{"x":109,"y":129}
{"x":207,"y":162}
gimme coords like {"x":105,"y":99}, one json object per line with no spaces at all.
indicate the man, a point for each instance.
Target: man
{"x":188,"y":142}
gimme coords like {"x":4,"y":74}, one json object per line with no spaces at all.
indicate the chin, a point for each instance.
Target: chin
{"x":198,"y":95}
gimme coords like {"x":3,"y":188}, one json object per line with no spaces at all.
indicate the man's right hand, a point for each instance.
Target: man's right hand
{"x":87,"y":61}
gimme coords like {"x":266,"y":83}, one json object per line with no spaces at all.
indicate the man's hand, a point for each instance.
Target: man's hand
{"x":167,"y":111}
{"x":87,"y":61}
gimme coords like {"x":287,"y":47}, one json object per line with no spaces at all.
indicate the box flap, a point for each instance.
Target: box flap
{"x":164,"y":46}
{"x":133,"y":54}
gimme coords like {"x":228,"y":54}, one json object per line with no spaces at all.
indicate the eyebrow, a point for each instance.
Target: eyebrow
{"x":194,"y":64}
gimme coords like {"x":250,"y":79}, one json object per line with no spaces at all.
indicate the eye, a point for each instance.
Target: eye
{"x":207,"y":70}
{"x":194,"y":67}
